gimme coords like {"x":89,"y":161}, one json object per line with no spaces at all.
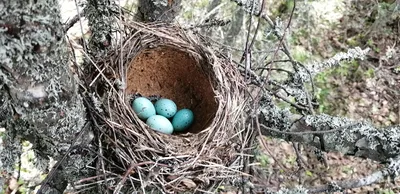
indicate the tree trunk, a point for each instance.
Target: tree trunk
{"x":158,"y":10}
{"x":39,"y":93}
{"x":101,"y":15}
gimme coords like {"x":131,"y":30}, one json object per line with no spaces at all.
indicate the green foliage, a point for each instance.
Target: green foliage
{"x":370,"y":73}
{"x":3,"y":189}
{"x":298,"y":35}
{"x":285,"y":7}
{"x":386,"y":191}
{"x":132,"y":6}
{"x":348,"y":169}
{"x":309,"y":173}
{"x":291,"y":160}
{"x":355,"y":40}
{"x":202,"y":4}
{"x":263,"y":159}
{"x":300,"y":54}
{"x":397,"y":69}
{"x":324,"y":90}
{"x":188,"y":15}
{"x":371,"y":43}
{"x":329,"y":81}
{"x":22,"y":189}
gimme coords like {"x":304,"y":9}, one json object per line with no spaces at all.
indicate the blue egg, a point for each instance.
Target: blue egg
{"x":143,"y":108}
{"x":182,"y":120}
{"x":165,"y":107}
{"x":160,"y":124}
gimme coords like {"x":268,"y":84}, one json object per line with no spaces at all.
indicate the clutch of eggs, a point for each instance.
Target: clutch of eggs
{"x":157,"y":116}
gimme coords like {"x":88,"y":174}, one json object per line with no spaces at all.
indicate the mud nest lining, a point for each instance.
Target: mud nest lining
{"x":170,"y":73}
{"x":162,"y":60}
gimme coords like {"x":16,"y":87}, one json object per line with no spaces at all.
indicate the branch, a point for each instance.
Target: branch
{"x":359,"y":139}
{"x":71,"y":23}
{"x":343,"y":135}
{"x":37,"y":88}
{"x":392,"y":170}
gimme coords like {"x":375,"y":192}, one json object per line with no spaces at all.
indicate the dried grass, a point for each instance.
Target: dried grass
{"x":133,"y":157}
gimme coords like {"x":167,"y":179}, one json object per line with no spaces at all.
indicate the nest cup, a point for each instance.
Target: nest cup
{"x":168,"y":72}
{"x":156,"y":59}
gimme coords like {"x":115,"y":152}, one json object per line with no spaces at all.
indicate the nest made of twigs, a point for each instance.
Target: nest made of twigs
{"x":164,"y":60}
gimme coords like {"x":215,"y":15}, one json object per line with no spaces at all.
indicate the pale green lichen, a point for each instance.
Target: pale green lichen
{"x":317,"y":67}
{"x":250,"y":6}
{"x":274,"y":116}
{"x":34,"y":64}
{"x":362,"y":139}
{"x":296,"y":190}
{"x":101,"y":15}
{"x":158,"y":10}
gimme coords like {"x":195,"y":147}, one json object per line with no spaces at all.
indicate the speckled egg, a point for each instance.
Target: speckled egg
{"x":143,"y":108}
{"x":165,"y":107}
{"x":160,"y":124}
{"x":182,"y":120}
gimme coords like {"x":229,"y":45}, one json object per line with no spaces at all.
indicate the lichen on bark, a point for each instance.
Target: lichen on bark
{"x":355,"y":138}
{"x":158,"y":10}
{"x":101,"y":15}
{"x":42,"y":101}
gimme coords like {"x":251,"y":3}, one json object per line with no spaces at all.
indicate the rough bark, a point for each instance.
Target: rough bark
{"x":355,"y":138}
{"x":101,"y":15}
{"x":158,"y":10}
{"x":39,"y":93}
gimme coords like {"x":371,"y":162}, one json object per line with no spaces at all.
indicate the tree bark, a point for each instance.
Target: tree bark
{"x":101,"y":15}
{"x":335,"y":134}
{"x":158,"y":10}
{"x":38,"y":90}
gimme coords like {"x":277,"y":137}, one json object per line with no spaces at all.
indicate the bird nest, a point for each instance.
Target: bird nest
{"x":157,"y":60}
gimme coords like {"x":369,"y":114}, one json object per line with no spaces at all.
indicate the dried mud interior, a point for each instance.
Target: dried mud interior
{"x":174,"y":74}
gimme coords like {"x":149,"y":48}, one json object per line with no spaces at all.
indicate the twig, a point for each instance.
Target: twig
{"x":356,"y":183}
{"x":309,"y":132}
{"x":281,"y":42}
{"x":129,"y":171}
{"x":81,"y":27}
{"x":247,"y":55}
{"x":276,"y":69}
{"x":51,"y":174}
{"x":71,"y":23}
